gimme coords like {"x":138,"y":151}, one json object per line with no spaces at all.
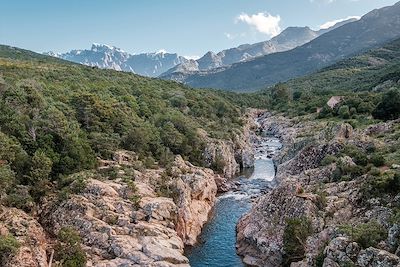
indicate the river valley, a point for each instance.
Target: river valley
{"x":217,"y":243}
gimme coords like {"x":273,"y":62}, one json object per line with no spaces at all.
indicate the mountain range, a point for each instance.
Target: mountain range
{"x":288,"y":39}
{"x":163,"y":63}
{"x":373,"y":29}
{"x":110,"y":57}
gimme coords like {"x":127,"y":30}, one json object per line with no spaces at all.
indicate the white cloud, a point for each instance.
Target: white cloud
{"x":262,"y":22}
{"x":329,"y":24}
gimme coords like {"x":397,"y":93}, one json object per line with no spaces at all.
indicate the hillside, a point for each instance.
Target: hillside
{"x":359,"y":73}
{"x":73,"y":113}
{"x":372,"y":30}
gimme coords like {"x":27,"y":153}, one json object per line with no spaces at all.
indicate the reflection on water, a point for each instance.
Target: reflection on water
{"x":217,"y":242}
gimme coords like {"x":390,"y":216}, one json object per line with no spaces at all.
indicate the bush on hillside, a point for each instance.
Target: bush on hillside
{"x":389,"y":107}
{"x":8,"y":246}
{"x":296,"y":232}
{"x":366,"y":234}
{"x":68,"y":250}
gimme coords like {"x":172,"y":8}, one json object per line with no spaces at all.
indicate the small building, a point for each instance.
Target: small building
{"x":334,"y":101}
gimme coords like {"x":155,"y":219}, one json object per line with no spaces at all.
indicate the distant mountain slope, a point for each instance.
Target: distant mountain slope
{"x":109,"y":57}
{"x":373,"y":29}
{"x":373,"y":70}
{"x":290,"y":38}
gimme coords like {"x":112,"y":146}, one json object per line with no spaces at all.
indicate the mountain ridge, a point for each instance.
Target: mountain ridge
{"x":288,"y":39}
{"x":373,"y":29}
{"x":110,"y":57}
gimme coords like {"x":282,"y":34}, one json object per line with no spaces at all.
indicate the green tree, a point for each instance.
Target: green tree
{"x":8,"y":246}
{"x":7,"y":178}
{"x":295,"y":234}
{"x":280,"y":93}
{"x":389,"y":107}
{"x":344,"y":112}
{"x":297,"y":95}
{"x":40,"y":167}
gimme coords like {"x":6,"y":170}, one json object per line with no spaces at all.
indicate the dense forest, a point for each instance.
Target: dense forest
{"x":57,"y":118}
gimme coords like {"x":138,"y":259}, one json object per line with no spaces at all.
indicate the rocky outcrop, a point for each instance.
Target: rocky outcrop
{"x":229,"y":157}
{"x":114,"y":232}
{"x":260,"y":232}
{"x":196,"y":190}
{"x":220,"y":155}
{"x":341,"y":251}
{"x":306,"y":190}
{"x":133,"y":223}
{"x":32,"y":239}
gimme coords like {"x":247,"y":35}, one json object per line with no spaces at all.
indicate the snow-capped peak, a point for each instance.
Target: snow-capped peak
{"x":104,"y":47}
{"x":161,"y":51}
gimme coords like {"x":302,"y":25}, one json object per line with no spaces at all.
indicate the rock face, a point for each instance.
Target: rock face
{"x":116,"y":231}
{"x":306,"y":190}
{"x":229,"y":157}
{"x":341,"y":251}
{"x":30,"y":235}
{"x":259,"y":232}
{"x":196,"y":197}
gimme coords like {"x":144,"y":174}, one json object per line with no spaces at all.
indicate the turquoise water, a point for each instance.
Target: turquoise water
{"x":217,"y":243}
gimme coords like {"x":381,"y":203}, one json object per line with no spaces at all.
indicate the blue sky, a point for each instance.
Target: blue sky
{"x":187,"y":27}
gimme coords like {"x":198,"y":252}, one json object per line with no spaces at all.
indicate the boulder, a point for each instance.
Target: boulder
{"x":373,"y":257}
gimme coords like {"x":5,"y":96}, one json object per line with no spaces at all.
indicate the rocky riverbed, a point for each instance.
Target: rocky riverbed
{"x":307,"y":192}
{"x":217,"y":246}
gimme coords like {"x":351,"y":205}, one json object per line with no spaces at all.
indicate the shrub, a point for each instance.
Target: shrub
{"x":353,"y":171}
{"x":325,"y":112}
{"x":389,"y":107}
{"x":359,"y":156}
{"x":280,"y":93}
{"x":40,"y":167}
{"x":7,"y":178}
{"x":377,"y":160}
{"x":344,"y":112}
{"x":8,"y":246}
{"x":366,"y":234}
{"x":219,"y":164}
{"x":296,"y":232}
{"x":149,"y":163}
{"x":328,"y":159}
{"x":134,"y":197}
{"x":19,"y":198}
{"x":387,"y":183}
{"x":68,"y":250}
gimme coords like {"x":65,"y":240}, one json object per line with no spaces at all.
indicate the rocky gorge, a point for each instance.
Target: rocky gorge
{"x":314,"y":207}
{"x":126,"y":215}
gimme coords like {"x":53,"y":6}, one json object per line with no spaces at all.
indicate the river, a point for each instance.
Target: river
{"x":217,"y":243}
